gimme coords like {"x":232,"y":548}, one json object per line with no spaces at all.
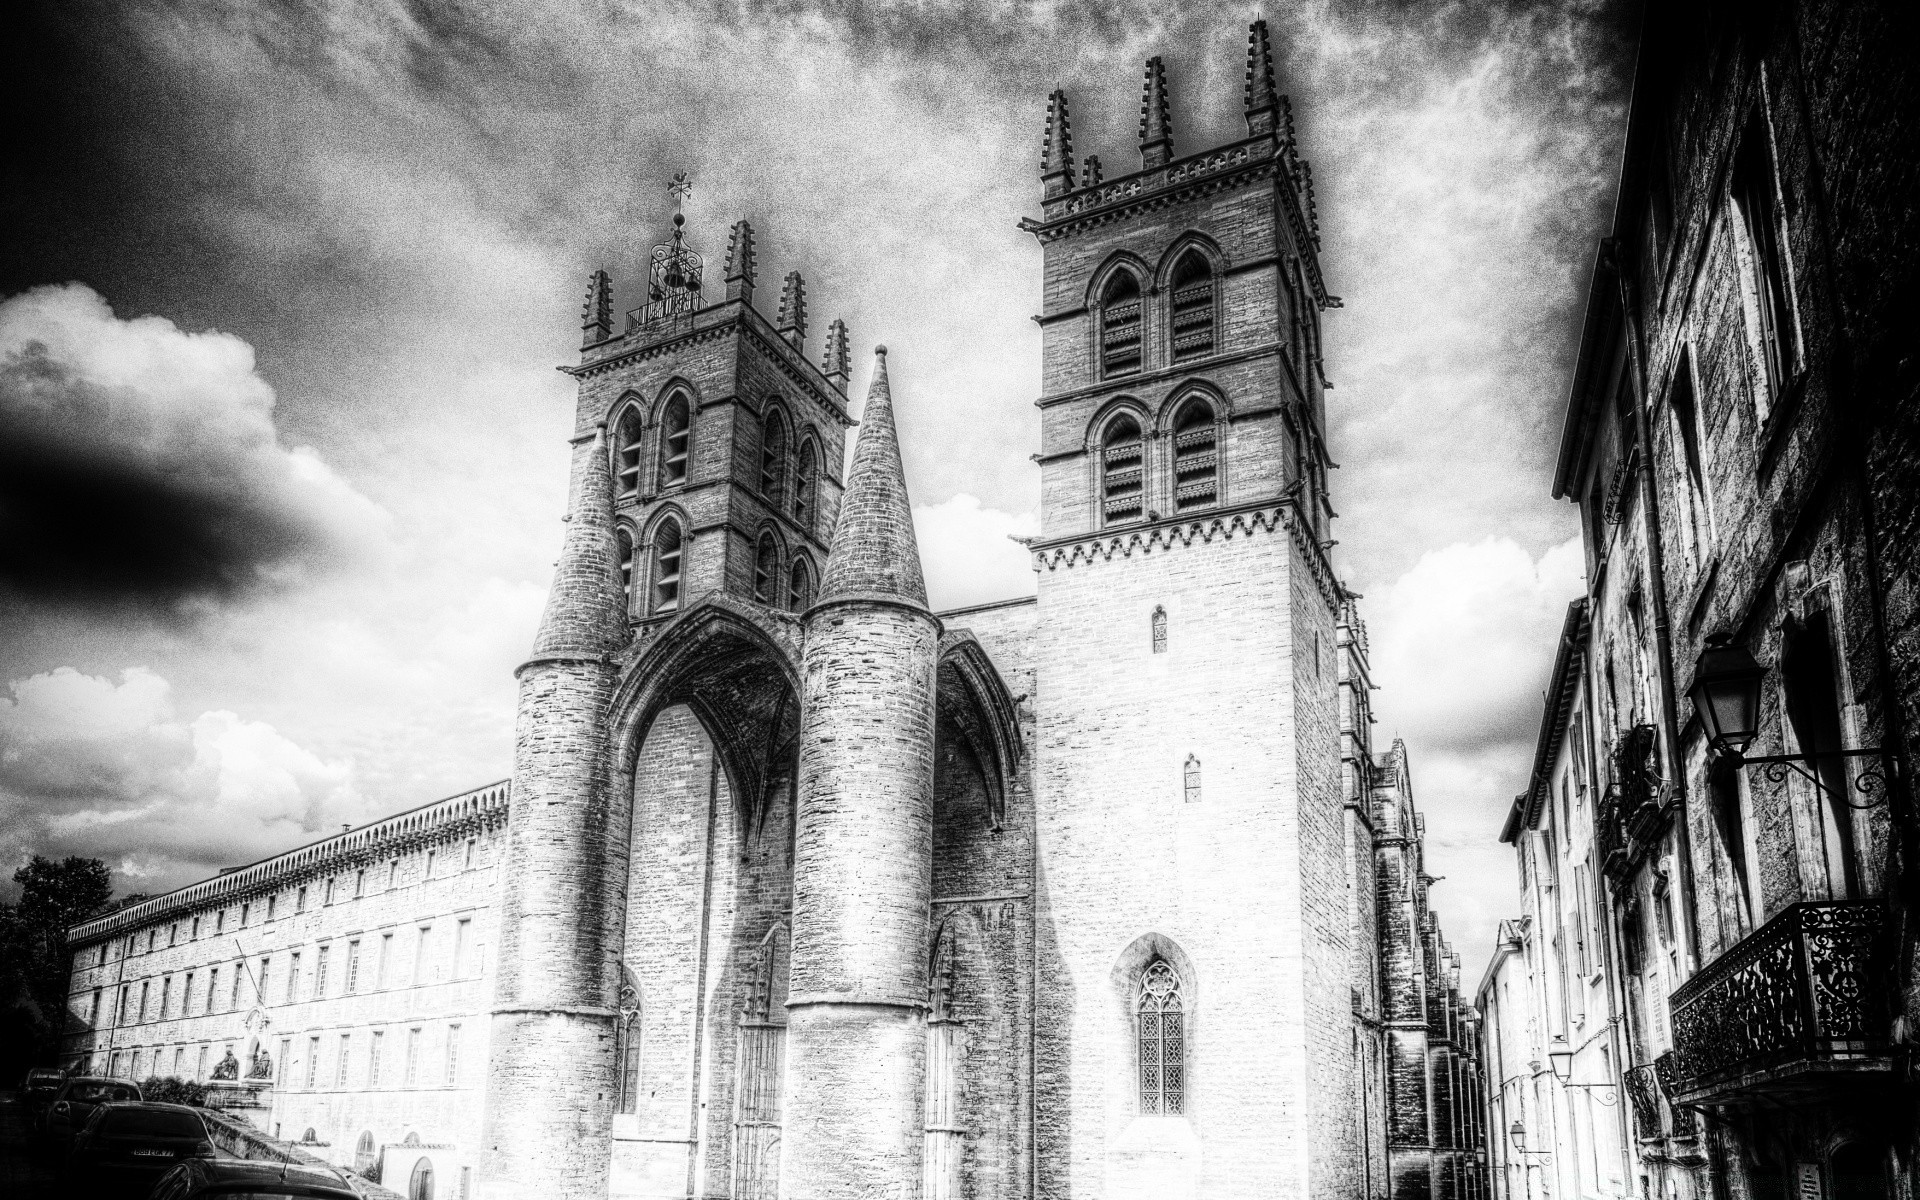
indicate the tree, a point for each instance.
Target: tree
{"x":35,"y":965}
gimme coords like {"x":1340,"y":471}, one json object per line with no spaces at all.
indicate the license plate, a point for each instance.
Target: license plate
{"x":153,"y":1154}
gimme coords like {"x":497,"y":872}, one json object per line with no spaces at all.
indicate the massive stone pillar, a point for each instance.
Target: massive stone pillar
{"x":862,"y":873}
{"x":550,"y":1084}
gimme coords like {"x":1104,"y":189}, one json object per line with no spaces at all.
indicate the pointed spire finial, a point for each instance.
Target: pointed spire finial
{"x":1156,"y":126}
{"x":1056,"y":158}
{"x":833,"y":364}
{"x":596,"y":319}
{"x":740,"y":263}
{"x":792,"y":324}
{"x":1263,"y":101}
{"x":1090,"y":171}
{"x":874,"y":550}
{"x":586,"y":613}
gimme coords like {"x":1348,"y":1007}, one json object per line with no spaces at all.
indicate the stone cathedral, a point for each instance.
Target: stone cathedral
{"x":804,"y":890}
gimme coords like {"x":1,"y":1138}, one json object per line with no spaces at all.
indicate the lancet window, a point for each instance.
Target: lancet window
{"x":1196,"y":458}
{"x":626,"y":449}
{"x":773,"y":458}
{"x":1161,"y":1026}
{"x":666,"y":566}
{"x":800,"y":586}
{"x":1159,"y":630}
{"x":805,"y":480}
{"x":766,"y":570}
{"x":1760,"y":246}
{"x":1192,"y":307}
{"x":623,"y":549}
{"x":627,"y":1045}
{"x":1120,"y":325}
{"x":676,"y":439}
{"x":1190,"y":779}
{"x":1122,"y":471}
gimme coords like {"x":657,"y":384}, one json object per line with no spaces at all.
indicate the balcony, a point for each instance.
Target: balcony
{"x":1793,"y":1014}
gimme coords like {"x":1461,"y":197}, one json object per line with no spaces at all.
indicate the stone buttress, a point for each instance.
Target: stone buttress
{"x":862,"y":862}
{"x":550,"y":1083}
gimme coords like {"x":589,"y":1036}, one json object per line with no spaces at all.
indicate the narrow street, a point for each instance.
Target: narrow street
{"x":23,"y":1174}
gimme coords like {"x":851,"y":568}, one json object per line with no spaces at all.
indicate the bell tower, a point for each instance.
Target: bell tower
{"x":725,"y":437}
{"x":1189,"y":811}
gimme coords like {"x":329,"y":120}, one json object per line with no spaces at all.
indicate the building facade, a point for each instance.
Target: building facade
{"x":1740,"y":438}
{"x":806,"y":890}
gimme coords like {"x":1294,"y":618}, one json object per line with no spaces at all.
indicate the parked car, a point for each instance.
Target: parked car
{"x":125,"y":1147}
{"x":75,"y":1102}
{"x":37,"y":1091}
{"x":203,"y":1178}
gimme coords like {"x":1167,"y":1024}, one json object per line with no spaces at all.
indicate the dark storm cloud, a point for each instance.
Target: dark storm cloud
{"x":139,"y":464}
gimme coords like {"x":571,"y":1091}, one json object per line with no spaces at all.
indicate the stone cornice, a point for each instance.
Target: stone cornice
{"x":1261,"y":517}
{"x":481,"y":808}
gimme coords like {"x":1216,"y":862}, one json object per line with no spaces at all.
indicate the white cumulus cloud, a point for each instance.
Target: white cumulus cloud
{"x":969,"y":554}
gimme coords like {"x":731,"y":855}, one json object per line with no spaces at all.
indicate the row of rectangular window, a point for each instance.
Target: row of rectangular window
{"x":263,"y":977}
{"x":130,"y":1063}
{"x":299,"y":905}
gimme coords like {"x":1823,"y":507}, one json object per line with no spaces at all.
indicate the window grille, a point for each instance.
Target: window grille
{"x":805,"y":481}
{"x":1120,"y":326}
{"x":676,"y":440}
{"x":1196,"y":461}
{"x":1190,"y":778}
{"x":1162,"y":1038}
{"x":800,"y":586}
{"x":1123,"y":472}
{"x":666,"y":567}
{"x":773,"y":458}
{"x":1192,"y":308}
{"x":626,"y":450}
{"x":766,"y":569}
{"x":1159,"y":630}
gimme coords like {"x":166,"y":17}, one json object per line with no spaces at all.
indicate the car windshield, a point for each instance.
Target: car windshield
{"x":94,"y":1093}
{"x":152,"y":1122}
{"x":300,"y":1194}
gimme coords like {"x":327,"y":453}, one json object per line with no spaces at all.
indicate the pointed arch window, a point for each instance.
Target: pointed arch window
{"x":1159,"y":630}
{"x":1196,"y":459}
{"x":766,"y":570}
{"x":1192,"y":307}
{"x":623,"y":550}
{"x":800,"y":586}
{"x":627,"y":1045}
{"x":1122,"y":471}
{"x":1120,"y":325}
{"x":626,"y":448}
{"x":1162,"y":1041}
{"x":805,"y":481}
{"x":667,"y":552}
{"x":773,"y":458}
{"x":676,"y":439}
{"x":1190,"y":779}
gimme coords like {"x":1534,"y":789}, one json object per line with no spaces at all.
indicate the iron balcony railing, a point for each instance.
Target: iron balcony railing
{"x":1796,"y":1005}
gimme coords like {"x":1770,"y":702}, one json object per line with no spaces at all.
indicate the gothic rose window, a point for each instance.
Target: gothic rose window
{"x":1162,"y":1042}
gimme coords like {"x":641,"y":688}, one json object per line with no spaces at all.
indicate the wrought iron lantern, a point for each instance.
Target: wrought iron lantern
{"x":1560,"y":1058}
{"x":1726,"y":694}
{"x":1517,"y":1134}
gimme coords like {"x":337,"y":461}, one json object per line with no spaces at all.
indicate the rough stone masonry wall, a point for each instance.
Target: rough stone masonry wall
{"x":1125,"y":858}
{"x":862,"y":881}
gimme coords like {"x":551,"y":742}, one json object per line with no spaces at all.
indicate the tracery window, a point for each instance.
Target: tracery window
{"x":1196,"y":459}
{"x":773,"y":457}
{"x":676,"y":436}
{"x":766,"y":570}
{"x":1190,"y":779}
{"x":626,"y":451}
{"x":800,"y":586}
{"x":666,"y":566}
{"x":805,"y":481}
{"x":1122,"y":471}
{"x":1162,"y":1041}
{"x":1120,"y":325}
{"x":1159,"y":630}
{"x":627,"y":1045}
{"x":1192,"y":307}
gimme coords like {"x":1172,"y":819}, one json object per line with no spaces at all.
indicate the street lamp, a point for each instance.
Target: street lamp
{"x":1726,"y":697}
{"x":1560,"y":1058}
{"x":1517,"y":1134}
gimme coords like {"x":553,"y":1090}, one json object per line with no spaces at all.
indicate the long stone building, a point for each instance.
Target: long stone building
{"x":802,"y":889}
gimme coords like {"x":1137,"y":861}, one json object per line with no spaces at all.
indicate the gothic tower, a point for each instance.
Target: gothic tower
{"x":1190,"y":836}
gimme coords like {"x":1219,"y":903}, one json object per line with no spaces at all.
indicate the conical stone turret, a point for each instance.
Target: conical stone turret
{"x":862,"y":869}
{"x":585,"y":612}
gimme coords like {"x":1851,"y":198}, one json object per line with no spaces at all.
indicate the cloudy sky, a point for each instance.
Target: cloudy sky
{"x":282,"y":446}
